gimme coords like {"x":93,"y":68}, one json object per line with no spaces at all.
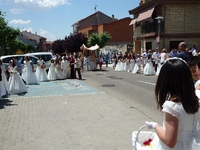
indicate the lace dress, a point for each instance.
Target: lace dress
{"x":27,"y":73}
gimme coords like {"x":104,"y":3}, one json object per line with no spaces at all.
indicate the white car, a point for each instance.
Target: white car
{"x":46,"y":56}
{"x":5,"y":59}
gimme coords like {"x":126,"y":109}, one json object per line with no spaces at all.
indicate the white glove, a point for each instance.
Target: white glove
{"x":151,"y":125}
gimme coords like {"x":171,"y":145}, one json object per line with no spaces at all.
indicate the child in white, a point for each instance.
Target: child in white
{"x":41,"y":71}
{"x":137,"y":67}
{"x":64,"y":66}
{"x":175,"y":95}
{"x":148,"y":69}
{"x":28,"y":73}
{"x":15,"y":83}
{"x":51,"y":73}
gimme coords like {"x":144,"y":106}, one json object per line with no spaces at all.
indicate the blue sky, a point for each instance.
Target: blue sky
{"x":53,"y":18}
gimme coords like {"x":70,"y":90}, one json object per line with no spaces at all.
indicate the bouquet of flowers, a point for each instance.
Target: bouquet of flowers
{"x":43,"y":66}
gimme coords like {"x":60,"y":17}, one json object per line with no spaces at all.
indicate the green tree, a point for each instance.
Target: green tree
{"x":99,"y":39}
{"x":7,"y":35}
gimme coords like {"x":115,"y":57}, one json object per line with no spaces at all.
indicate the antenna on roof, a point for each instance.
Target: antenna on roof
{"x":95,"y":8}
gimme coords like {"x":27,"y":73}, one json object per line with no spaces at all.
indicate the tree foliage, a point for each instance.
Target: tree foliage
{"x":8,"y":35}
{"x":74,"y":41}
{"x":99,"y":39}
{"x":57,"y":47}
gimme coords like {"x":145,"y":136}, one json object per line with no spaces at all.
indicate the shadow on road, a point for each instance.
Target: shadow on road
{"x":5,"y":102}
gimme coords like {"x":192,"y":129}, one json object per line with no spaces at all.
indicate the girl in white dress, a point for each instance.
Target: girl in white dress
{"x":59,"y":73}
{"x":132,"y":63}
{"x":51,"y":73}
{"x":4,"y":78}
{"x":137,"y":67}
{"x":114,"y":61}
{"x":175,"y":95}
{"x":128,"y":65}
{"x":118,"y":64}
{"x":148,"y":69}
{"x":15,"y":83}
{"x":123,"y":64}
{"x":41,"y":71}
{"x":28,"y":73}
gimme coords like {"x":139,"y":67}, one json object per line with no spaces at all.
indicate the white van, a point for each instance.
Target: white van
{"x":5,"y":60}
{"x":46,"y":56}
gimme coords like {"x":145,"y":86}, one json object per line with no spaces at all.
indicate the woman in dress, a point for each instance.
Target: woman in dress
{"x":15,"y":83}
{"x":175,"y":95}
{"x":51,"y":73}
{"x":4,"y":78}
{"x":148,"y":69}
{"x":28,"y":72}
{"x":59,"y":73}
{"x":41,"y":71}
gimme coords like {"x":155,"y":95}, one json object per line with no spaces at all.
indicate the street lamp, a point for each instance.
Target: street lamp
{"x":159,"y":18}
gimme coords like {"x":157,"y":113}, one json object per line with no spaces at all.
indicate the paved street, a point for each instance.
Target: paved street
{"x":68,"y":115}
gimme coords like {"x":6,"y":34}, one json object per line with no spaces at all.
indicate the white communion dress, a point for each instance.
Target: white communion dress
{"x":51,"y":73}
{"x":15,"y":83}
{"x":188,"y":129}
{"x":27,"y":73}
{"x":148,"y":69}
{"x":41,"y":72}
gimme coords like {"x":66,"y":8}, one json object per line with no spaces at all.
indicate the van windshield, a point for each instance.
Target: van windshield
{"x":45,"y":57}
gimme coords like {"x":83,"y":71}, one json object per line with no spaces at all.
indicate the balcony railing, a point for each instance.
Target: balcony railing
{"x":151,"y":27}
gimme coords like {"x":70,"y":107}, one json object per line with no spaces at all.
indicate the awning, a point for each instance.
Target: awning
{"x":92,"y":48}
{"x":146,"y":14}
{"x":133,"y":22}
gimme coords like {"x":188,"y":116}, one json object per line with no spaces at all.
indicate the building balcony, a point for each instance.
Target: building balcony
{"x":151,"y":28}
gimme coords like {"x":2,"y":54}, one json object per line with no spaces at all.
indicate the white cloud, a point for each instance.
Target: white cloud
{"x":38,"y":4}
{"x":16,"y":11}
{"x":46,"y":34}
{"x":14,"y":21}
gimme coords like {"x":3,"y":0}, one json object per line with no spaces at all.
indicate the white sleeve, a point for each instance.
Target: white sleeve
{"x":172,"y":108}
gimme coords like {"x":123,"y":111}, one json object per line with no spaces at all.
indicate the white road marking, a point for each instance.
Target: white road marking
{"x":147,"y":82}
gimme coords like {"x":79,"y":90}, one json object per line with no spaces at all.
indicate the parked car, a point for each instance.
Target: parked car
{"x":5,"y":59}
{"x":46,"y":56}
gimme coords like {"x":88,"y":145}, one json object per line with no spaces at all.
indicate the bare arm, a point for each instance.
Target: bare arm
{"x":168,"y":136}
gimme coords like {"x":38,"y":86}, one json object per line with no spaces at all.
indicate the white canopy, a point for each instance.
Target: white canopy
{"x":92,"y":48}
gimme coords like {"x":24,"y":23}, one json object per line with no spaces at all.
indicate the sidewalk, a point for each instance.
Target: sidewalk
{"x":64,"y":120}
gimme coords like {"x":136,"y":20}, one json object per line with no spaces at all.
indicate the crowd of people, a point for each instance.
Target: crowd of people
{"x":177,"y":93}
{"x":149,"y":62}
{"x":16,"y":76}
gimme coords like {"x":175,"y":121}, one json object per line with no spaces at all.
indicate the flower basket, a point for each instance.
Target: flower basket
{"x":144,"y":140}
{"x":43,"y":66}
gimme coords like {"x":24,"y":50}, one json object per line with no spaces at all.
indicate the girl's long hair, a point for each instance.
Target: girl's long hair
{"x":175,"y":79}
